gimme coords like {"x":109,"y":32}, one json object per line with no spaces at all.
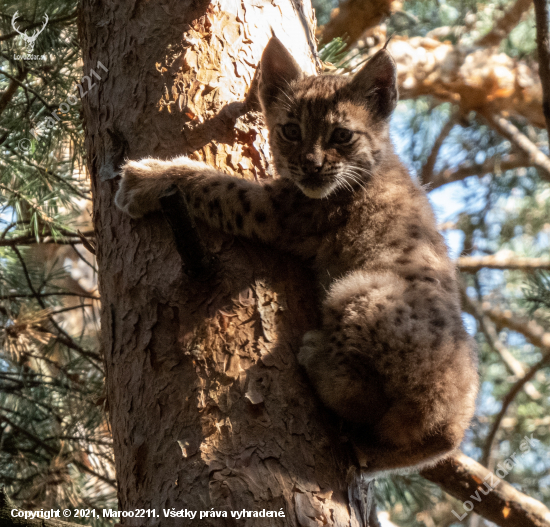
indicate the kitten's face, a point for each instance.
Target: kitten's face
{"x":328,"y":132}
{"x":320,"y":138}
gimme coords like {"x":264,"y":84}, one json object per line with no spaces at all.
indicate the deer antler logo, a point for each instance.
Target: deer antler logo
{"x":29,"y":40}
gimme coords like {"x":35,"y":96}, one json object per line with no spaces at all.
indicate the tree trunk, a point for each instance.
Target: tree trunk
{"x":208,"y":407}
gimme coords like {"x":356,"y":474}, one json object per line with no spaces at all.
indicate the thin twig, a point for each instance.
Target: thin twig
{"x":427,"y":173}
{"x":513,"y":134}
{"x":491,"y":335}
{"x":507,"y":401}
{"x":63,"y":336}
{"x":494,"y":166}
{"x":25,"y":87}
{"x":14,"y":296}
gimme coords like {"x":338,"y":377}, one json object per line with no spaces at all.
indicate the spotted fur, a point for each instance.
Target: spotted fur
{"x":392,"y":357}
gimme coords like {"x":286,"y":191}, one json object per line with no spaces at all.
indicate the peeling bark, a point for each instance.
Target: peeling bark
{"x":208,"y":406}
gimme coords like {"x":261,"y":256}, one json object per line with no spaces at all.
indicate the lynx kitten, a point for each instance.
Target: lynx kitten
{"x":392,"y":357}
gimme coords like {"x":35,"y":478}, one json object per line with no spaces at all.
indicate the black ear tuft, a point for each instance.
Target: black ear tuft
{"x":278,"y":70}
{"x":376,"y":82}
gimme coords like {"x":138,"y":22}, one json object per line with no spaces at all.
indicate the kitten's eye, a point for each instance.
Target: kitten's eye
{"x":341,"y":136}
{"x":292,"y":132}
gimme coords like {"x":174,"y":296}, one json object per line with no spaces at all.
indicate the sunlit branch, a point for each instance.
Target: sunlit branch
{"x":532,"y":331}
{"x":472,"y":264}
{"x":504,"y":25}
{"x":506,"y":506}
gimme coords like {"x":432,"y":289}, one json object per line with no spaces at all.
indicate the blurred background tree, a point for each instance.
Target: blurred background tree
{"x":469,"y":126}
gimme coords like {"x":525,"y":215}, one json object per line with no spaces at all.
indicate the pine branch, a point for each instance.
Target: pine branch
{"x":532,"y":331}
{"x":472,"y":264}
{"x":488,"y":330}
{"x":426,"y":176}
{"x":505,"y":24}
{"x":10,"y":91}
{"x":54,"y":451}
{"x":32,"y":240}
{"x":14,"y":296}
{"x":513,"y":134}
{"x":8,"y":520}
{"x":507,"y":401}
{"x":461,"y":477}
{"x":26,"y":88}
{"x":466,"y":170}
{"x":62,"y":336}
{"x":534,"y":334}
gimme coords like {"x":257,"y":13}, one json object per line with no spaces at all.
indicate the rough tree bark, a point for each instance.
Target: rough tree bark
{"x":208,"y":406}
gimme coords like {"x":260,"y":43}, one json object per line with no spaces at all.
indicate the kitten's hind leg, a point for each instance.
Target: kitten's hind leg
{"x":346,"y":382}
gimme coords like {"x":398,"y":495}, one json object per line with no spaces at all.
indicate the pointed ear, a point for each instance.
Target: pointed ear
{"x":278,"y":70}
{"x":376,"y":82}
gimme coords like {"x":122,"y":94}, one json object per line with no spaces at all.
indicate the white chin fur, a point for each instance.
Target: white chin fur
{"x":319,"y":193}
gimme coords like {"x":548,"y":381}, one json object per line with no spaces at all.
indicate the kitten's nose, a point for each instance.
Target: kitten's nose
{"x":312,"y":163}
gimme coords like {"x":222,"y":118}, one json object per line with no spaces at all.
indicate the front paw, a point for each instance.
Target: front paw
{"x":312,"y":344}
{"x":136,"y":194}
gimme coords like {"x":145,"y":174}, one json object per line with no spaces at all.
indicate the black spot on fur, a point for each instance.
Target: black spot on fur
{"x":408,"y":249}
{"x":229,"y":226}
{"x":414,"y":232}
{"x":438,"y":323}
{"x":231,"y":185}
{"x":197,"y":203}
{"x":205,"y":189}
{"x":403,"y":261}
{"x":239,"y":221}
{"x":260,"y":216}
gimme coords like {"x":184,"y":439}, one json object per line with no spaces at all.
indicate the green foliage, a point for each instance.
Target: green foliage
{"x":55,"y":446}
